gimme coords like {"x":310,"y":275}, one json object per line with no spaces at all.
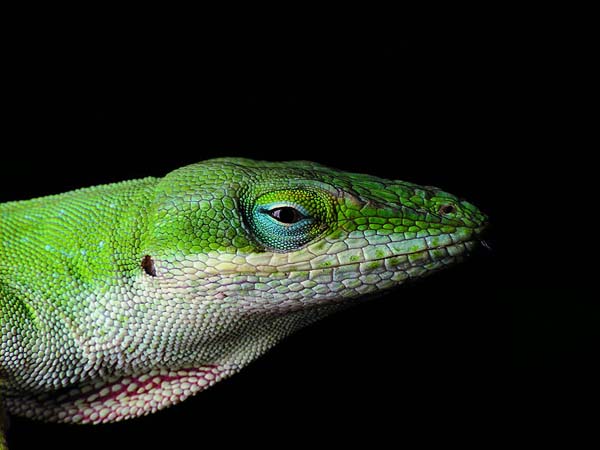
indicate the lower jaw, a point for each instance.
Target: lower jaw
{"x":395,"y":270}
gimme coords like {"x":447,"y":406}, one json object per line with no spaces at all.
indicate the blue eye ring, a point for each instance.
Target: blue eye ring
{"x":281,"y":224}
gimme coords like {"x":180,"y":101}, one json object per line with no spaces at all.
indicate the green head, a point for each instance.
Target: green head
{"x":160,"y":288}
{"x":290,"y":235}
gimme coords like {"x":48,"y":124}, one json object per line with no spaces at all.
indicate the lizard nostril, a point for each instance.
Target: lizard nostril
{"x":148,"y":265}
{"x":447,"y":209}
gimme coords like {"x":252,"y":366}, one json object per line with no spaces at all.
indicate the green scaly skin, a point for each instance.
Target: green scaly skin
{"x":119,"y":300}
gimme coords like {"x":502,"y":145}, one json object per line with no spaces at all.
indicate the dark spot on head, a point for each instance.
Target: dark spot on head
{"x":447,"y":209}
{"x":148,"y":265}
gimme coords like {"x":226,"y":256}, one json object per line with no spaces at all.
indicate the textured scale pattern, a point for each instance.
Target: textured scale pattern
{"x":118,"y":300}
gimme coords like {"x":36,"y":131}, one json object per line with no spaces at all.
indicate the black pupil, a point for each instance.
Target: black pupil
{"x":285,"y":214}
{"x":447,"y":209}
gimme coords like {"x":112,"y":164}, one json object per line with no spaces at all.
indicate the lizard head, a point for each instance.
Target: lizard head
{"x":284,"y":236}
{"x":235,"y":255}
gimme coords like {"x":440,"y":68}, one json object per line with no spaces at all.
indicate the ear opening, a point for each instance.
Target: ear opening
{"x":148,"y":265}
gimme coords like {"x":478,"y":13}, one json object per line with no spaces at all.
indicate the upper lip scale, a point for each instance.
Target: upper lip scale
{"x":370,"y":260}
{"x":385,"y":257}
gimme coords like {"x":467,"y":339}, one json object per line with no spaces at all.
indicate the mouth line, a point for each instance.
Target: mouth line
{"x":465,"y":250}
{"x":383,"y":258}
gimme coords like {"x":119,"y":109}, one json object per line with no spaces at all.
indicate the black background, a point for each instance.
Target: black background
{"x":464,"y":113}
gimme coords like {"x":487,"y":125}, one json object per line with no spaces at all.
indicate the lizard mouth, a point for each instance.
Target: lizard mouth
{"x":446,"y":254}
{"x":391,"y":255}
{"x":441,"y":252}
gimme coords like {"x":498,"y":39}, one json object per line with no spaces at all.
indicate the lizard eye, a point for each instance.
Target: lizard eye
{"x":286,"y":220}
{"x":286,"y":214}
{"x":447,"y":209}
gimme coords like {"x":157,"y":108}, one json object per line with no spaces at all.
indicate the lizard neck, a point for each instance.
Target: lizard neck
{"x":58,"y":255}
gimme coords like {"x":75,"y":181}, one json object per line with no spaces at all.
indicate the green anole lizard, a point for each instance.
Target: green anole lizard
{"x":122,"y":299}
